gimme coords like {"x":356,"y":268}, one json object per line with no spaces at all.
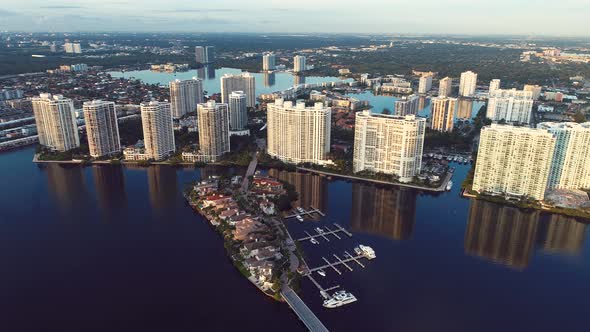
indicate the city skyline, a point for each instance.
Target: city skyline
{"x":451,"y":17}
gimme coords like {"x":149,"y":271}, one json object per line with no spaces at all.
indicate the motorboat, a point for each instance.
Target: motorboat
{"x":322,"y":273}
{"x":339,"y":298}
{"x":314,"y":241}
{"x":319,"y":230}
{"x":358,"y":251}
{"x":367,"y":251}
{"x":449,"y":186}
{"x":300,"y":218}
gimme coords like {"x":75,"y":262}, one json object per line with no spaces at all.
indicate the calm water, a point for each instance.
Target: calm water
{"x":117,"y":249}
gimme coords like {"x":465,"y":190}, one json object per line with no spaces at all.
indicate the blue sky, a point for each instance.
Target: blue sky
{"x":528,"y":17}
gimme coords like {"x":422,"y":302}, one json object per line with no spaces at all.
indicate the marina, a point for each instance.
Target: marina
{"x":300,"y":212}
{"x":324,"y":232}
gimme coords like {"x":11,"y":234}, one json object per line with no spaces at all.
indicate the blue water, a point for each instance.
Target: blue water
{"x":117,"y":249}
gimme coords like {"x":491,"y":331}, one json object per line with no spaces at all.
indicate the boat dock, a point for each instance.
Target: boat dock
{"x":306,"y":213}
{"x":305,"y":314}
{"x":325,"y":232}
{"x":348,"y":258}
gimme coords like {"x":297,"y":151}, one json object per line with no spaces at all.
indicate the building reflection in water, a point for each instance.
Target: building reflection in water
{"x":269,"y":79}
{"x":202,"y":73}
{"x":68,"y":188}
{"x":298,"y":79}
{"x":423,"y":102}
{"x":464,"y":109}
{"x":210,"y":71}
{"x":312,"y":188}
{"x":389,"y":212}
{"x":507,"y":235}
{"x":163,"y":188}
{"x":109,"y":182}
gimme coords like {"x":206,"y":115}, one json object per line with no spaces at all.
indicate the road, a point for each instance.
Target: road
{"x":249,"y":172}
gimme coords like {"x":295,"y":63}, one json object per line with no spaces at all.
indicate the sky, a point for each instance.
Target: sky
{"x":469,"y":17}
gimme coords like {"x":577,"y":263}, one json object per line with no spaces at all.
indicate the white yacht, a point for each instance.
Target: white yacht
{"x":300,"y":209}
{"x":322,"y":273}
{"x":367,"y":251}
{"x":358,"y":251}
{"x":339,"y":298}
{"x":319,"y":230}
{"x":449,"y":186}
{"x":314,"y":241}
{"x":300,"y":218}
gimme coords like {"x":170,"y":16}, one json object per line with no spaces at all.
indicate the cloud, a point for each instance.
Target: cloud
{"x":7,"y":13}
{"x":202,"y":10}
{"x":62,"y":7}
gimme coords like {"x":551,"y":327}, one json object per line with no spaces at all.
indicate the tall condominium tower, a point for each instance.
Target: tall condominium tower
{"x":445,"y":87}
{"x":299,"y":64}
{"x":443,"y":113}
{"x":534,"y":89}
{"x":158,"y":132}
{"x":467,"y":84}
{"x":513,"y":106}
{"x":298,"y":134}
{"x":213,"y":129}
{"x":570,"y":166}
{"x":513,"y":161}
{"x":56,"y":122}
{"x":494,"y":85}
{"x":238,"y":111}
{"x":204,"y":54}
{"x":425,"y":84}
{"x":268,"y":62}
{"x":244,"y":82}
{"x":388,"y":144}
{"x":407,"y":105}
{"x":185,"y":95}
{"x":72,"y":48}
{"x":102,"y":128}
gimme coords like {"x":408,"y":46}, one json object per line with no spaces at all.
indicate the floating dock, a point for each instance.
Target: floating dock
{"x":305,"y":213}
{"x":325,"y":232}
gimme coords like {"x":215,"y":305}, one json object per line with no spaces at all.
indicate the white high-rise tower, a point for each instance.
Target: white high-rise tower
{"x":102,"y":128}
{"x":56,"y":122}
{"x":185,"y":96}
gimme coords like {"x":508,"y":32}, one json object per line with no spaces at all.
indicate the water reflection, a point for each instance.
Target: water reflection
{"x":562,"y":234}
{"x":502,"y":234}
{"x":298,"y":79}
{"x":390,"y":212}
{"x":206,"y":72}
{"x":67,"y":187}
{"x":269,"y":79}
{"x":109,"y":182}
{"x":465,"y":109}
{"x":163,"y":188}
{"x":312,"y":188}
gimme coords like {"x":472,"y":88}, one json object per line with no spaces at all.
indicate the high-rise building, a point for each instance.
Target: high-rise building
{"x":425,"y":84}
{"x":185,"y":96}
{"x":407,"y":105}
{"x":74,"y":48}
{"x":443,"y":113}
{"x":299,"y":64}
{"x":513,"y":161}
{"x":238,"y":111}
{"x":534,"y":89}
{"x":268,"y":62}
{"x":244,"y":82}
{"x":445,"y":87}
{"x":467,"y":84}
{"x":204,"y":54}
{"x":56,"y":122}
{"x":213,"y":130}
{"x":101,"y":128}
{"x":298,"y":134}
{"x":158,"y":132}
{"x":512,"y":106}
{"x":388,"y":144}
{"x":494,"y":85}
{"x":570,"y":166}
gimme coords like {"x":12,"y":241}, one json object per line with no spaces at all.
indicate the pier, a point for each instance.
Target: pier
{"x":306,"y":213}
{"x":305,"y":314}
{"x":348,"y":258}
{"x":325,"y":232}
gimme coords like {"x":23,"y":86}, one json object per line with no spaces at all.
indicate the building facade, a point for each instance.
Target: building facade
{"x":467,"y":84}
{"x":407,"y":105}
{"x":298,"y":134}
{"x":204,"y":54}
{"x":445,"y":87}
{"x":534,"y":89}
{"x":512,"y":106}
{"x":443,"y":114}
{"x":158,"y":132}
{"x":299,"y":64}
{"x":513,"y":161}
{"x":56,"y":122}
{"x":494,"y":85}
{"x":102,"y":128}
{"x":244,"y":82}
{"x":214,"y":119}
{"x":238,"y":111}
{"x":425,"y":84}
{"x":74,"y":48}
{"x":185,"y":96}
{"x":388,"y":144}
{"x":268,"y":62}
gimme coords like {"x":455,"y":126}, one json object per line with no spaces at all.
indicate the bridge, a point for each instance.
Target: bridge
{"x":305,"y":314}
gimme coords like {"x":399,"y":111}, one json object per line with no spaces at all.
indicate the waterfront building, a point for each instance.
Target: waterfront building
{"x":445,"y":87}
{"x":299,"y":64}
{"x":185,"y":96}
{"x":72,"y":48}
{"x":443,"y":113}
{"x":56,"y":122}
{"x":407,"y":105}
{"x":214,"y":119}
{"x":204,"y":54}
{"x":425,"y":84}
{"x":512,"y":106}
{"x":238,"y":111}
{"x":570,"y":166}
{"x":467,"y":84}
{"x":298,"y":134}
{"x":513,"y":161}
{"x":494,"y":85}
{"x":102,"y":128}
{"x":268,"y":62}
{"x":388,"y":144}
{"x":158,"y":132}
{"x":534,"y":89}
{"x":244,"y":82}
